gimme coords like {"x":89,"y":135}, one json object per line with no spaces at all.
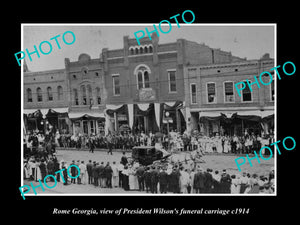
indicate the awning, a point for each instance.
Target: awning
{"x":29,"y":111}
{"x":45,"y":111}
{"x":78,"y":115}
{"x":60,"y":110}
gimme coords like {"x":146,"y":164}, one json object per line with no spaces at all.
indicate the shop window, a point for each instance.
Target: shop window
{"x":29,"y":95}
{"x":59,"y":93}
{"x":116,"y":84}
{"x":193,"y":92}
{"x":228,"y":91}
{"x":172,"y":81}
{"x":211,"y":93}
{"x":39,"y":94}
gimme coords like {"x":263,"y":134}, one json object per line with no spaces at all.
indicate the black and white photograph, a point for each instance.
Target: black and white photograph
{"x":149,"y":109}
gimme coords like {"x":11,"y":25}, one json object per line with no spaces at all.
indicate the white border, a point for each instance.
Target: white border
{"x":149,"y":24}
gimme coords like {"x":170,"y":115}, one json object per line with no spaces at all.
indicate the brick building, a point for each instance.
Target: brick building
{"x":214,"y":106}
{"x":148,"y":80}
{"x":45,"y":100}
{"x":134,"y":86}
{"x":87,"y":94}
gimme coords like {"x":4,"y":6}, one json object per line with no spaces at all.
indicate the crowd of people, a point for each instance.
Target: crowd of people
{"x":173,"y":141}
{"x":165,"y":178}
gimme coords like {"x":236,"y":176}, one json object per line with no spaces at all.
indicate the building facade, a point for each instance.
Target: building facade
{"x":213,"y":104}
{"x":149,"y":87}
{"x":45,"y":100}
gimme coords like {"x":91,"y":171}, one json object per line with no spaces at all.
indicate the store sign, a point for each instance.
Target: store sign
{"x":147,"y":94}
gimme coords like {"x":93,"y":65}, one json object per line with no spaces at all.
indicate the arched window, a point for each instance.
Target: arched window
{"x":49,"y":94}
{"x":150,"y":49}
{"x":59,"y":93}
{"x":29,"y":95}
{"x":136,"y":51}
{"x":75,"y":96}
{"x":39,"y":94}
{"x":141,"y":50}
{"x":83,"y":94}
{"x":98,"y":95}
{"x":131,"y":51}
{"x":146,"y":49}
{"x":143,"y":79}
{"x":89,"y":89}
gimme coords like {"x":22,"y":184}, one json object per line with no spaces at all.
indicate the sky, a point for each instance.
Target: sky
{"x":243,"y":40}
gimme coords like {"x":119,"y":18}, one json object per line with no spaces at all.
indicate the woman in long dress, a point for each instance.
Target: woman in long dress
{"x":37,"y":175}
{"x":132,"y":179}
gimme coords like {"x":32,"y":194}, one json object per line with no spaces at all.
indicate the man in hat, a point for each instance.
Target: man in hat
{"x":65,"y":173}
{"x":163,"y":180}
{"x":102,"y":177}
{"x":154,"y":179}
{"x":208,"y":181}
{"x":199,"y":180}
{"x":225,"y":182}
{"x":108,"y":175}
{"x":89,"y":168}
{"x":140,"y":176}
{"x":73,"y":172}
{"x":95,"y":173}
{"x":147,"y":176}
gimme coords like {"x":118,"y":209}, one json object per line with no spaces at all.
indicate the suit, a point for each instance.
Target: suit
{"x":199,"y":181}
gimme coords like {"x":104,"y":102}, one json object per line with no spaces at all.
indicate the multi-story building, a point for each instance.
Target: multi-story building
{"x":45,"y":100}
{"x":214,"y":106}
{"x":134,"y":86}
{"x":87,"y":94}
{"x":145,"y":81}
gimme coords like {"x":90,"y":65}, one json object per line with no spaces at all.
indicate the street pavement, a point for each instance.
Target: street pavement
{"x":214,"y":161}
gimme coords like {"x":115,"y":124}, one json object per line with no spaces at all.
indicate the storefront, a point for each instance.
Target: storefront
{"x":44,"y":120}
{"x":87,"y":123}
{"x":146,"y":117}
{"x":236,"y":122}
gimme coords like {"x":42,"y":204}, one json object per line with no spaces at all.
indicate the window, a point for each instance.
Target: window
{"x":172,"y":80}
{"x":143,"y":77}
{"x":146,"y":49}
{"x":246,"y":93}
{"x":116,"y":85}
{"x":89,"y":89}
{"x":193,"y":93}
{"x":75,"y":95}
{"x":273,"y":90}
{"x":39,"y":94}
{"x":49,"y":94}
{"x":29,"y":95}
{"x":59,"y":93}
{"x":211,"y":93}
{"x":150,"y":49}
{"x":141,"y":50}
{"x":228,"y":91}
{"x":131,"y":51}
{"x":83,"y":94}
{"x":136,"y":51}
{"x":98,"y":96}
